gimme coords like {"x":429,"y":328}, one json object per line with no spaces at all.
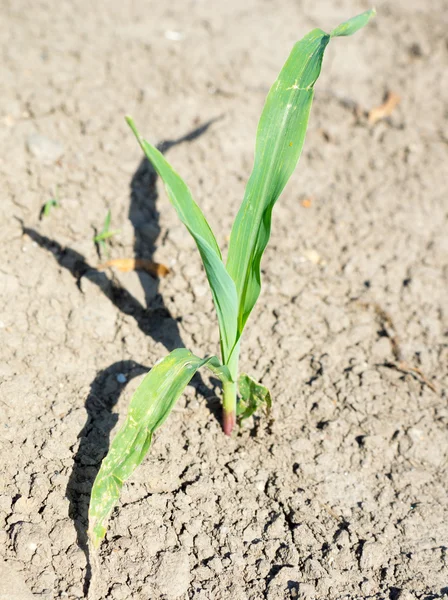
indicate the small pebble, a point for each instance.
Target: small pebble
{"x":45,"y":150}
{"x":174,"y":36}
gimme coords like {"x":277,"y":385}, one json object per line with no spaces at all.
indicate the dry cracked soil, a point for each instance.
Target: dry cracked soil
{"x":343,"y":494}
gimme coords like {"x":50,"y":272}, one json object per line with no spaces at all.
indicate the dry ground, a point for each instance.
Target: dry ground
{"x":344,"y":495}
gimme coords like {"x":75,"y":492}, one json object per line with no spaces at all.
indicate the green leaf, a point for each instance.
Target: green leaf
{"x":53,"y":202}
{"x":106,"y":225}
{"x":253,"y":395}
{"x":353,"y":25}
{"x":48,"y":206}
{"x":148,"y":409}
{"x":280,"y":137}
{"x":221,"y":284}
{"x":105,"y":235}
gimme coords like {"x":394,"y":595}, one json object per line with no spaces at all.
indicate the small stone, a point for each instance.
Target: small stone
{"x":276,"y":529}
{"x":287,"y":554}
{"x":174,"y":36}
{"x":371,"y":556}
{"x":216,"y":565}
{"x":238,"y":467}
{"x":173,"y":574}
{"x":203,"y":546}
{"x":313,"y":256}
{"x":314,"y":569}
{"x":203,"y":573}
{"x":45,"y":150}
{"x":25,"y":506}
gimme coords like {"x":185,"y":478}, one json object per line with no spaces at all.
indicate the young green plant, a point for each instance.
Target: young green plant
{"x":100,"y":239}
{"x":235,"y":285}
{"x":49,"y":204}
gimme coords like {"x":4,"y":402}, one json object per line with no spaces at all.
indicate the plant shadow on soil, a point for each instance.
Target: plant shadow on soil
{"x":155,"y":321}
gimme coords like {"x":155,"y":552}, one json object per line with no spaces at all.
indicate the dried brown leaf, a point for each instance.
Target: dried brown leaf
{"x":385,"y":109}
{"x":136,"y":264}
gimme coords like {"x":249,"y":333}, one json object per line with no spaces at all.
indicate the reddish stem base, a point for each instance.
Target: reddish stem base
{"x":229,"y":421}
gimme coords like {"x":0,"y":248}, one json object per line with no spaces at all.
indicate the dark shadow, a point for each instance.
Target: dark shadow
{"x":153,"y":319}
{"x":105,"y":390}
{"x":293,"y":586}
{"x":144,"y":215}
{"x":157,"y":323}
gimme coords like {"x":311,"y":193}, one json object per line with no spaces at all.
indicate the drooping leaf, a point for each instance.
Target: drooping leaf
{"x":148,"y":409}
{"x":280,"y":137}
{"x":221,"y":284}
{"x":253,"y":395}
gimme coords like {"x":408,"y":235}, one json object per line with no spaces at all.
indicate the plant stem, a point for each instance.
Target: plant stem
{"x":229,"y":397}
{"x":229,"y":407}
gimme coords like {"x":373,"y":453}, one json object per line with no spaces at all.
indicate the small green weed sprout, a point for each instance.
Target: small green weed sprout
{"x":49,"y":204}
{"x":235,"y":285}
{"x":100,"y":239}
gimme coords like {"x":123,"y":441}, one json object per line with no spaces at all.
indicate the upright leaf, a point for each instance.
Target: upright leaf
{"x":221,"y":284}
{"x":149,"y":407}
{"x":280,"y":137}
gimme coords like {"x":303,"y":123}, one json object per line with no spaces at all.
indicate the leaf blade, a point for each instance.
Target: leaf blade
{"x":221,"y":284}
{"x":280,"y":138}
{"x":149,"y":407}
{"x":106,"y":225}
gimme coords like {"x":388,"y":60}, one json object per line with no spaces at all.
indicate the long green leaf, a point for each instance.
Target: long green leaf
{"x":148,"y":409}
{"x":280,"y":137}
{"x":221,"y":284}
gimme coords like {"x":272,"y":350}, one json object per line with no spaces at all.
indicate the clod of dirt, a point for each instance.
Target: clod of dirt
{"x":173,"y":574}
{"x":31,"y":544}
{"x":45,"y":150}
{"x":285,"y":584}
{"x":372,"y":556}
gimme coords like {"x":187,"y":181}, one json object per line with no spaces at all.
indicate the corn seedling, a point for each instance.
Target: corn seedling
{"x":100,"y":239}
{"x":235,"y":285}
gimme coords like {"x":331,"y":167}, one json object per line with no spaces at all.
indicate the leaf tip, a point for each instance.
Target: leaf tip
{"x":130,"y":121}
{"x":354,"y":24}
{"x":96,"y":532}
